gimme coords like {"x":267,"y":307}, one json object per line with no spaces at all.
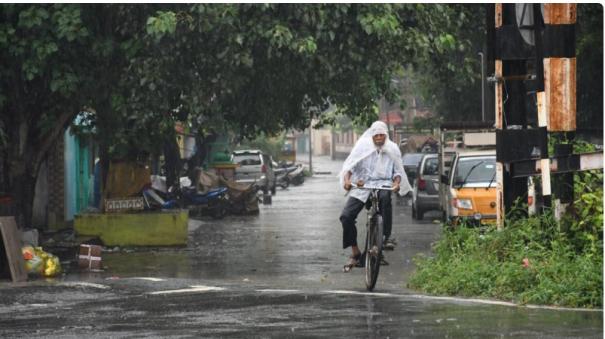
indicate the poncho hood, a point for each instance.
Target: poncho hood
{"x":365,"y":146}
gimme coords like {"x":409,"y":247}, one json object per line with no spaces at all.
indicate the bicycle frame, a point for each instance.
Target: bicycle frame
{"x":374,"y":236}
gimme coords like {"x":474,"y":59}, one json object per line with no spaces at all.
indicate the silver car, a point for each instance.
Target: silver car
{"x":254,"y":166}
{"x":425,"y":196}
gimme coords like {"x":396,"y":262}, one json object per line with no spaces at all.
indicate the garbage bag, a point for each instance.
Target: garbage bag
{"x":39,"y":262}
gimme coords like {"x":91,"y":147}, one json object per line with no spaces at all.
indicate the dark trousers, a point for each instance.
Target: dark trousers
{"x":352,"y":209}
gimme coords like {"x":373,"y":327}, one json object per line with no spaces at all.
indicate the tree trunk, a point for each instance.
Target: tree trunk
{"x":22,"y":186}
{"x":28,"y":148}
{"x":173,"y":162}
{"x":200,"y":154}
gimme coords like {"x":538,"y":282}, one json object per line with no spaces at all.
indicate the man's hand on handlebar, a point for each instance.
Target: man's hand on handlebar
{"x":396,"y":186}
{"x":348,"y":185}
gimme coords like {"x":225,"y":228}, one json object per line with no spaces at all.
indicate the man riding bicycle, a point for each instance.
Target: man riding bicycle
{"x":375,"y":160}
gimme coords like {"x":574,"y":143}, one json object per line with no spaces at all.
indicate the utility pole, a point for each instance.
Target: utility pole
{"x":311,"y":145}
{"x":482,"y":87}
{"x":538,"y":37}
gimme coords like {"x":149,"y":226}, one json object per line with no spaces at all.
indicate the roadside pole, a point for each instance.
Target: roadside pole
{"x":499,"y":113}
{"x":559,"y":100}
{"x":311,"y":146}
{"x":537,"y":39}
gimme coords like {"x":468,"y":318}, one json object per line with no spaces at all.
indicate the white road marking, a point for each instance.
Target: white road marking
{"x":195,"y":288}
{"x":375,"y":294}
{"x":83,"y":284}
{"x":475,"y":301}
{"x":202,"y":288}
{"x":279,"y":291}
{"x":147,"y":278}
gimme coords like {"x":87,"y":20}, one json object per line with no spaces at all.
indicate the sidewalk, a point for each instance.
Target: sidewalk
{"x":322,"y":164}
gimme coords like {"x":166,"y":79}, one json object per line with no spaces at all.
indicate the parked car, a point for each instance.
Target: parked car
{"x":254,"y":166}
{"x":410,"y":165}
{"x":471,"y":188}
{"x":425,"y":194}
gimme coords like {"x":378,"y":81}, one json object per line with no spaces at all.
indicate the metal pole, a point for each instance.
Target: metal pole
{"x":311,"y":146}
{"x":482,"y":88}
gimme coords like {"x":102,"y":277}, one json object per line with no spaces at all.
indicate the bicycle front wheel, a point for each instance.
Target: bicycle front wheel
{"x":373,"y":251}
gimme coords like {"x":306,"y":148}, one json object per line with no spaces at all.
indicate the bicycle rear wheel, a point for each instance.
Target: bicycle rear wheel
{"x":373,"y":251}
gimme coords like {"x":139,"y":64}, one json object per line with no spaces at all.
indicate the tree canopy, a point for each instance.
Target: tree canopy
{"x":247,"y":68}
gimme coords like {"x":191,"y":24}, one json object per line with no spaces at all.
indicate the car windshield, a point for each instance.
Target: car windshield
{"x":411,"y":159}
{"x":475,"y":169}
{"x":247,"y":159}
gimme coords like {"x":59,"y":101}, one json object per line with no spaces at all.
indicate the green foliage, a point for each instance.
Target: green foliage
{"x":269,"y":145}
{"x":449,"y":77}
{"x":533,"y":260}
{"x":162,"y":24}
{"x":589,"y":53}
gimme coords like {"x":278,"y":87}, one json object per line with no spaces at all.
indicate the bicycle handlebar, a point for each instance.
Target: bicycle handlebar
{"x":365,"y":187}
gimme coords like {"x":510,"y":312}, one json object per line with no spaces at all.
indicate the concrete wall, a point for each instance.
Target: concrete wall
{"x":136,"y":229}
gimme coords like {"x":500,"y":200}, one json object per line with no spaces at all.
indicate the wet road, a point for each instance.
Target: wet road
{"x":278,"y":274}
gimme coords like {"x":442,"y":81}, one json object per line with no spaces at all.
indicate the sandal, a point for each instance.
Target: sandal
{"x":353,"y":262}
{"x":389,"y":245}
{"x":383,"y":261}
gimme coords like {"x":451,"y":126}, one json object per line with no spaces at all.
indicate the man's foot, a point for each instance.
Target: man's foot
{"x":383,"y":262}
{"x":362,"y":260}
{"x":352,"y":262}
{"x":389,"y":245}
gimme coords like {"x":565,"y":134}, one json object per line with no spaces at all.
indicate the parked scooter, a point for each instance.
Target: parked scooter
{"x":283,"y":175}
{"x":213,"y":202}
{"x":297,"y":177}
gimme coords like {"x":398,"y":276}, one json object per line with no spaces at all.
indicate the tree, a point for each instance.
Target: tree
{"x":250,"y":68}
{"x":450,"y":79}
{"x":589,"y":52}
{"x":58,"y":60}
{"x":39,"y":80}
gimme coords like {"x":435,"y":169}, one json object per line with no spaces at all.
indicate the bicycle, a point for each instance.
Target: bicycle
{"x":374,"y":235}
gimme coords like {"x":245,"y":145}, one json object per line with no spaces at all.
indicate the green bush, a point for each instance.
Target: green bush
{"x":533,"y":260}
{"x":269,"y":145}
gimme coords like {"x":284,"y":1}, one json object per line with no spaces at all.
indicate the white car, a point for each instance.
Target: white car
{"x":254,"y":166}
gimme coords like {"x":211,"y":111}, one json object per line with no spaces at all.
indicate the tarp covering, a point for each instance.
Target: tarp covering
{"x":126,"y":179}
{"x":240,"y":194}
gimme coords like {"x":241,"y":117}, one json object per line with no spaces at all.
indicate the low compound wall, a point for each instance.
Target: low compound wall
{"x":167,"y":228}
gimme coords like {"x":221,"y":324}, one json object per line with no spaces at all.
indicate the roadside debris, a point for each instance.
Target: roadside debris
{"x":39,"y":262}
{"x":89,"y":257}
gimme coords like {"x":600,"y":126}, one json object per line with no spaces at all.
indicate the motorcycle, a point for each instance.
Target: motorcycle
{"x":213,"y":202}
{"x":283,"y":176}
{"x":297,"y":176}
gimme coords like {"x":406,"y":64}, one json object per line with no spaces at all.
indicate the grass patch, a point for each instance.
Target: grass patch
{"x":531,"y":261}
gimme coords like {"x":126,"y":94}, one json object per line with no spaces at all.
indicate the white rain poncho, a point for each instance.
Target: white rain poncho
{"x":364,"y":148}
